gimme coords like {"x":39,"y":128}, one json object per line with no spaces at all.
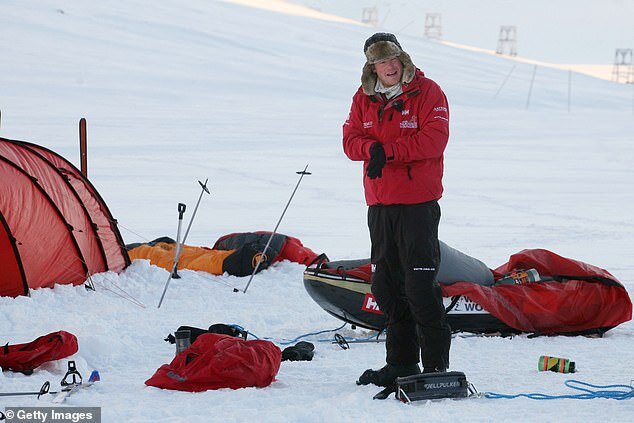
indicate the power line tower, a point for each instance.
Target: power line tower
{"x":623,"y":70}
{"x":507,"y":41}
{"x":433,"y":26}
{"x":370,"y":16}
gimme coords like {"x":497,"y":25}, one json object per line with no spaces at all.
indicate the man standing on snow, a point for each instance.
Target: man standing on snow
{"x":399,"y":127}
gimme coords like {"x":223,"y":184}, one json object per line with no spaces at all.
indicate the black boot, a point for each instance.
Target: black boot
{"x":386,"y":375}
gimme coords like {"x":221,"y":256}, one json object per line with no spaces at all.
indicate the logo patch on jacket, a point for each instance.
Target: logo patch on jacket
{"x":367,"y":125}
{"x":441,"y":109}
{"x":412,"y":122}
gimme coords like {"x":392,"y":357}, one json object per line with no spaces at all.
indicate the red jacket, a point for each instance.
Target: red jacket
{"x":414,"y":129}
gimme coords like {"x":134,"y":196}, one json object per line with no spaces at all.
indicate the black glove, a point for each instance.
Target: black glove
{"x":377,"y":161}
{"x":302,"y":351}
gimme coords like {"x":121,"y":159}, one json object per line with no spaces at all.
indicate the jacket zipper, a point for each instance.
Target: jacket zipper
{"x":409,"y":172}
{"x":387,"y":103}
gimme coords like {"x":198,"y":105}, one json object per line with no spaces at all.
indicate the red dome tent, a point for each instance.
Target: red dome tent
{"x":54,"y":226}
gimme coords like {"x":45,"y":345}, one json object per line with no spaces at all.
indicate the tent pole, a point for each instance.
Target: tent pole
{"x":83,"y":147}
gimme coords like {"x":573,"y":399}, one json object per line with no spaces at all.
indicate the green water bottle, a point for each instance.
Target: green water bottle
{"x":555,"y":364}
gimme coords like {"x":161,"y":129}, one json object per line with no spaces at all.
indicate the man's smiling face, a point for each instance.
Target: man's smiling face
{"x":389,"y":71}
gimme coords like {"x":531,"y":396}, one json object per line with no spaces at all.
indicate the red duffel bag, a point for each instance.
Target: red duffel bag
{"x":216,"y":361}
{"x":26,"y":357}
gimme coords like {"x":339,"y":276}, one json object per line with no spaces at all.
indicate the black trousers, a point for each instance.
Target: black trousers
{"x":405,"y":260}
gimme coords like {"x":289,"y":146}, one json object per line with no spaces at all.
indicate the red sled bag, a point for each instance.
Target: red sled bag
{"x":26,"y":357}
{"x":216,"y":361}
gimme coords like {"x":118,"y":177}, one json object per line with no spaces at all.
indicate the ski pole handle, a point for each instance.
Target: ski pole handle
{"x":191,"y":220}
{"x":44,"y":389}
{"x":181,"y":210}
{"x":204,"y":186}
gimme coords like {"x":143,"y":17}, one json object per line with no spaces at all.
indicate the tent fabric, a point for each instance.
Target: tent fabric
{"x":54,"y":226}
{"x":96,"y":207}
{"x":216,"y":361}
{"x":12,"y":271}
{"x":587,"y":297}
{"x":28,"y":356}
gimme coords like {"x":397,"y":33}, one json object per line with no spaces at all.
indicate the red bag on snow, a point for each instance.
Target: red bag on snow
{"x":26,"y":357}
{"x":216,"y":361}
{"x":589,"y":298}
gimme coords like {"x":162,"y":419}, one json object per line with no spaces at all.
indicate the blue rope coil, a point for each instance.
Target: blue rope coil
{"x":617,"y":392}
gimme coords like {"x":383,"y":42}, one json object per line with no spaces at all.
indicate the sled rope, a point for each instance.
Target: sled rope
{"x":285,"y":341}
{"x":617,"y":392}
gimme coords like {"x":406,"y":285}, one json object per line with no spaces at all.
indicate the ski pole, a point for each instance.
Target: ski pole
{"x":204,"y":190}
{"x":43,"y":390}
{"x":173,"y":273}
{"x":178,"y":250}
{"x":257,"y":266}
{"x":181,"y":212}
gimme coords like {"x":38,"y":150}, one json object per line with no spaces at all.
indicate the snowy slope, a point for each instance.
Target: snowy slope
{"x":175,"y":92}
{"x":563,"y":31}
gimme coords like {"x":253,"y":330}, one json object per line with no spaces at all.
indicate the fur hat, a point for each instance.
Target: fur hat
{"x":383,"y":46}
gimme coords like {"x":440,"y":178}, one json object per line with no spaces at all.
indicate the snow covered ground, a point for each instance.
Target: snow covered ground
{"x":176,"y":92}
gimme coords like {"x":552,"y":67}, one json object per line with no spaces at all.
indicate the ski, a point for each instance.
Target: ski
{"x":73,"y":382}
{"x":69,"y":390}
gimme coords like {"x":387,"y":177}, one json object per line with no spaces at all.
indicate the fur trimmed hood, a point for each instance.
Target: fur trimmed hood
{"x":382,"y":46}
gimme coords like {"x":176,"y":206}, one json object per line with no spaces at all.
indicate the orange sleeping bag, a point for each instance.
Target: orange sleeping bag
{"x":237,"y":254}
{"x":192,"y":258}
